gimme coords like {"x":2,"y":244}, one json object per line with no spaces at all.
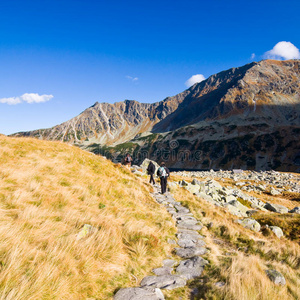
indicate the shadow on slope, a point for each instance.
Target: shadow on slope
{"x":204,"y":100}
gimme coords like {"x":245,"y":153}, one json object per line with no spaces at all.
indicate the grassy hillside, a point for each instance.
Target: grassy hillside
{"x":239,"y":257}
{"x":48,"y":191}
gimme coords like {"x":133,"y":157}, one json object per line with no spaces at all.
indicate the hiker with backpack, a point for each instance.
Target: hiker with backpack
{"x":151,"y":172}
{"x":128,"y":160}
{"x":163,"y":172}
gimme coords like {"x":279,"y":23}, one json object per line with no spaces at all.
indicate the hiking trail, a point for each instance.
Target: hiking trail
{"x":173,"y":274}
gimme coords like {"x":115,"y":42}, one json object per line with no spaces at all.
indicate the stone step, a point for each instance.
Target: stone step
{"x":190,"y":242}
{"x":191,"y":247}
{"x":190,"y":251}
{"x":191,"y":268}
{"x":163,"y":271}
{"x":138,"y":293}
{"x":168,"y":282}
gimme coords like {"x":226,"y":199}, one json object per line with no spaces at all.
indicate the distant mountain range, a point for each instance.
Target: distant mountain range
{"x":247,"y":117}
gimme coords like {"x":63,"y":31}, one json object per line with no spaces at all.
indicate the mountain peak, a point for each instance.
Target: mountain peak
{"x":265,"y":92}
{"x":95,"y":104}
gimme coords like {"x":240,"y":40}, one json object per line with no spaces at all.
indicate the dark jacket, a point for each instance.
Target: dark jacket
{"x":151,"y":168}
{"x":128,"y":159}
{"x":166,"y":169}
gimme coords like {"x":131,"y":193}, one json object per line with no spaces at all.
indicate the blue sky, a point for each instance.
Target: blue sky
{"x":59,"y":57}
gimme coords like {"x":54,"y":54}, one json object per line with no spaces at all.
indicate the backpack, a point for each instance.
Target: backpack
{"x":162,"y":172}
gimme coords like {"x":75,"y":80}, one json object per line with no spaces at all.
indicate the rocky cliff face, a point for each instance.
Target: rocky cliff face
{"x":247,"y":117}
{"x":107,"y":124}
{"x":265,"y":89}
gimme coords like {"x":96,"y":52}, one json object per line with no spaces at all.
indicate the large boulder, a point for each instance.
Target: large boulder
{"x":212,"y":184}
{"x":202,"y":187}
{"x":276,"y":208}
{"x":144,"y":165}
{"x":205,"y":197}
{"x":225,"y":192}
{"x":215,"y":195}
{"x":239,"y":205}
{"x":183,"y":183}
{"x":261,"y":187}
{"x":195,"y":182}
{"x":229,"y":198}
{"x":249,"y":224}
{"x":295,"y":210}
{"x":235,"y":210}
{"x":277,"y":231}
{"x":274,"y":192}
{"x":193,"y":188}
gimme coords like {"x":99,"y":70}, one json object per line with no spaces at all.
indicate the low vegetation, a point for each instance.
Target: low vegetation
{"x":48,"y":191}
{"x":239,"y":257}
{"x":289,"y":223}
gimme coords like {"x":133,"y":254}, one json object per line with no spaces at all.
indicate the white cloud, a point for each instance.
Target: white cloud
{"x":11,"y":100}
{"x":253,"y":56}
{"x":283,"y":50}
{"x":35,"y":98}
{"x":27,"y":97}
{"x":194,"y":79}
{"x":133,"y":79}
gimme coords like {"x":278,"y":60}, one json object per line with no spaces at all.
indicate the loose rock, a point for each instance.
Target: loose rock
{"x":220,"y":284}
{"x":191,"y":268}
{"x":169,"y":263}
{"x":250,"y":224}
{"x":86,"y":230}
{"x":162,"y":271}
{"x":190,"y":252}
{"x":295,"y":210}
{"x":277,"y":208}
{"x":277,"y":231}
{"x":138,"y":293}
{"x":168,"y":282}
{"x":196,"y":182}
{"x":276,"y":277}
{"x":274,"y":192}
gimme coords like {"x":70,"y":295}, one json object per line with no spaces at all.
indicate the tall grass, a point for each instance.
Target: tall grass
{"x":48,"y":191}
{"x":239,"y":257}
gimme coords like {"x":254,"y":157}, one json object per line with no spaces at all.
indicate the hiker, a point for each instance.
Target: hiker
{"x":128,"y":160}
{"x":163,"y":172}
{"x":151,"y":172}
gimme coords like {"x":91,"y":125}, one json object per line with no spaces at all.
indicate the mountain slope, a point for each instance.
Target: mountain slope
{"x":262,"y":88}
{"x":106,"y":123}
{"x":48,"y":191}
{"x":268,"y":88}
{"x":247,"y":117}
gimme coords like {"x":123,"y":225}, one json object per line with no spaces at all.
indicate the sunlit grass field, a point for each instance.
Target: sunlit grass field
{"x":48,"y":191}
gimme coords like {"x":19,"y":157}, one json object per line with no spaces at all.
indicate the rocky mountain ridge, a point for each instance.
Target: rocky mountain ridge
{"x":106,"y":123}
{"x":247,"y":117}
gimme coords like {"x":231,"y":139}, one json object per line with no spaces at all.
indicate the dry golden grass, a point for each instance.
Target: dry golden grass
{"x":239,"y":257}
{"x":48,"y":191}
